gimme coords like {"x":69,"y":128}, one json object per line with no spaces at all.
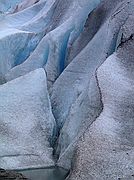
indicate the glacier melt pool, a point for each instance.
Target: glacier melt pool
{"x":53,"y":173}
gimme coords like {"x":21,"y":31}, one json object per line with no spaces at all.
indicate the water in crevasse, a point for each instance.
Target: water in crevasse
{"x":45,"y":174}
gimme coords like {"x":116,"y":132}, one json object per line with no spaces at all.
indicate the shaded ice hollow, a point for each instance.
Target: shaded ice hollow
{"x":66,"y":86}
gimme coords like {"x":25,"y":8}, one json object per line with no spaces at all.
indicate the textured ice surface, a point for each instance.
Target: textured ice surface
{"x":106,"y":150}
{"x":26,"y":123}
{"x":68,"y":102}
{"x":76,"y":77}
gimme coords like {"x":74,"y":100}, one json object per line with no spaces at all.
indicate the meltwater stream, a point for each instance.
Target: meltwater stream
{"x":53,"y":173}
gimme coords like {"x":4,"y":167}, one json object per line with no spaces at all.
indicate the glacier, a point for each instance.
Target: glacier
{"x":66,"y":87}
